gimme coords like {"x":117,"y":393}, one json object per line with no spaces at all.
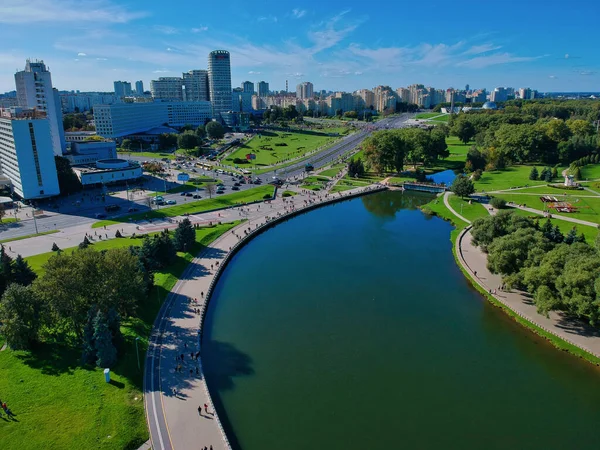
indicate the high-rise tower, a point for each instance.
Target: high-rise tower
{"x":34,"y":90}
{"x":219,"y":81}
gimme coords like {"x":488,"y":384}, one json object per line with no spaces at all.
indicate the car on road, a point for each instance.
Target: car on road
{"x":171,"y":202}
{"x":188,"y":194}
{"x":111,"y":208}
{"x":100,"y":216}
{"x":220,"y":192}
{"x":220,"y":185}
{"x":235,"y":188}
{"x":237,"y":183}
{"x":242,"y":181}
{"x":197,"y":196}
{"x":183,"y":194}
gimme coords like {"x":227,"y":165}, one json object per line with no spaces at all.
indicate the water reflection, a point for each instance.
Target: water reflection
{"x":386,"y":204}
{"x":446,"y":177}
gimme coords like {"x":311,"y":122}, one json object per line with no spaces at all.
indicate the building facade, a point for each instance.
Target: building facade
{"x":305,"y":90}
{"x":219,"y":80}
{"x":167,"y":88}
{"x":34,"y":90}
{"x":248,"y":87}
{"x":124,"y":119}
{"x":195,"y":86}
{"x":27,"y":153}
{"x":122,"y":89}
{"x":262,"y":88}
{"x":139,"y":87}
{"x":108,"y":171}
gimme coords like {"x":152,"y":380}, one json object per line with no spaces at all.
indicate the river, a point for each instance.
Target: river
{"x":351,"y":327}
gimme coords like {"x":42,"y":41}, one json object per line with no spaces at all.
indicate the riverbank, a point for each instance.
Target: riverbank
{"x":566,"y":337}
{"x":171,"y":396}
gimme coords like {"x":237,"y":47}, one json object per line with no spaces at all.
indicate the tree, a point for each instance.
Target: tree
{"x":533,"y":175}
{"x":68,"y":182}
{"x":21,"y":272}
{"x":201,"y":132}
{"x":463,"y":129}
{"x":185,"y":236}
{"x":6,"y":270}
{"x":167,"y":141}
{"x":88,"y":352}
{"x":2,"y":212}
{"x":356,"y":168}
{"x":509,"y":254}
{"x":215,"y":130}
{"x":498,"y":203}
{"x":103,"y":342}
{"x":187,"y":140}
{"x":462,"y":186}
{"x":210,"y":189}
{"x":20,"y":312}
{"x":126,"y":144}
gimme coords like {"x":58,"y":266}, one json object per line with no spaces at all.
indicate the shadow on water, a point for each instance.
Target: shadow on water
{"x":223,"y":362}
{"x":387,"y":204}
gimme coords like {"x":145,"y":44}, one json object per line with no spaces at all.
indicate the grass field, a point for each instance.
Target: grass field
{"x":28,"y":236}
{"x":333,"y":171}
{"x":471,"y":211}
{"x":590,"y":172}
{"x":275,"y":147}
{"x":61,"y":405}
{"x":159,"y":155}
{"x":590,"y":233}
{"x":208,"y":204}
{"x":195,"y":182}
{"x":511,"y":177}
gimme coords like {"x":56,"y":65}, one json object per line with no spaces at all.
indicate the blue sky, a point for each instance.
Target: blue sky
{"x":338,"y":45}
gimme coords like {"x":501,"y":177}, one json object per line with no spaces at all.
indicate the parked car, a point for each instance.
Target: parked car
{"x":183,"y":194}
{"x":197,"y":196}
{"x":235,"y":188}
{"x":220,"y":192}
{"x":171,"y":202}
{"x":188,"y":194}
{"x":237,"y":183}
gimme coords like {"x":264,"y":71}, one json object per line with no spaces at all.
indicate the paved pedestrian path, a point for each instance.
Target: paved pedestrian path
{"x":174,"y":389}
{"x":573,"y":331}
{"x":447,"y":203}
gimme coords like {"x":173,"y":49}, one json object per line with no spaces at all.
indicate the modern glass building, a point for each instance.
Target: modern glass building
{"x":219,"y":80}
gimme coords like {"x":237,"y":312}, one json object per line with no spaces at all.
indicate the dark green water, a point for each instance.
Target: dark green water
{"x":351,"y":327}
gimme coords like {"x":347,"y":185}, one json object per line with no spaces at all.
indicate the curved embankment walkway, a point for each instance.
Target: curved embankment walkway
{"x":474,"y":261}
{"x":172,"y":394}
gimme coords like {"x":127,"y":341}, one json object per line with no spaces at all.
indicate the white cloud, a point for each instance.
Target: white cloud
{"x":253,"y":72}
{"x":552,"y":76}
{"x":566,"y":56}
{"x":358,"y":72}
{"x":330,"y":35}
{"x":587,"y":72}
{"x":199,"y":29}
{"x":81,"y":54}
{"x":101,"y":59}
{"x":267,"y":19}
{"x":165,"y":29}
{"x":298,"y":13}
{"x":60,"y":11}
{"x":481,"y":62}
{"x":478,"y":49}
{"x":161,"y":71}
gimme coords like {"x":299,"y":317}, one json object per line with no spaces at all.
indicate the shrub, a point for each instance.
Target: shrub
{"x":267,"y":196}
{"x":498,"y":203}
{"x":286,"y":194}
{"x":477,"y":175}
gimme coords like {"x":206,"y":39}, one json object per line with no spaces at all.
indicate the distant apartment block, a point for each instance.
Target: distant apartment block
{"x":27,"y":153}
{"x":305,"y":90}
{"x":139,"y":87}
{"x":122,"y":89}
{"x":262,"y":88}
{"x":124,"y":119}
{"x":167,"y":88}
{"x":195,"y":86}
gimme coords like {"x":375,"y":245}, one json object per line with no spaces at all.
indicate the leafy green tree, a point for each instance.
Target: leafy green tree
{"x":486,"y":229}
{"x":88,"y":352}
{"x":463,"y":129}
{"x":201,"y":132}
{"x":215,"y":130}
{"x":187,"y":140}
{"x":476,"y":158}
{"x":20,"y":316}
{"x":185,"y":236}
{"x":534,"y":174}
{"x":510,"y":253}
{"x":498,"y":203}
{"x":462,"y":186}
{"x":554,"y":173}
{"x":167,"y":141}
{"x":6,"y":269}
{"x":68,"y":182}
{"x":21,"y":272}
{"x":356,"y":168}
{"x":126,"y":144}
{"x":106,"y":352}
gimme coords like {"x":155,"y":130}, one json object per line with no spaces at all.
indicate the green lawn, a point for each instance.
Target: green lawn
{"x":61,"y":405}
{"x":438,"y":208}
{"x":6,"y":219}
{"x":28,"y":236}
{"x":590,"y":172}
{"x":471,"y":211}
{"x":333,"y":171}
{"x":428,"y":115}
{"x":289,"y":193}
{"x":158,"y":155}
{"x":268,"y":152}
{"x":340,"y":187}
{"x":208,"y":204}
{"x":590,"y":233}
{"x":196,"y":182}
{"x":443,"y":118}
{"x":511,"y":177}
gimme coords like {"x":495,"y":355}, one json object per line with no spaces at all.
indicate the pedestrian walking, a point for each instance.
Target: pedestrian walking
{"x":206,"y":408}
{"x":200,"y":410}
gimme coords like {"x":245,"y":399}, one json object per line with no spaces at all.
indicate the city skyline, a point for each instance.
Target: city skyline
{"x":337,"y":45}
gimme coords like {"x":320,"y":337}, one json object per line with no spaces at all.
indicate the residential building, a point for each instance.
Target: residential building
{"x":167,"y":88}
{"x":219,"y":81}
{"x":525,"y":93}
{"x":367,"y":97}
{"x":27,"y":152}
{"x":124,"y":119}
{"x":305,"y":90}
{"x":139,"y":87}
{"x":195,"y":86}
{"x":262,"y":88}
{"x":122,"y":88}
{"x":340,"y":100}
{"x":499,"y":94}
{"x":34,"y":90}
{"x":248,"y":87}
{"x":85,"y":101}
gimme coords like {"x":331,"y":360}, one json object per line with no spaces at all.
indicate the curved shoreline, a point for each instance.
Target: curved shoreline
{"x":162,"y":343}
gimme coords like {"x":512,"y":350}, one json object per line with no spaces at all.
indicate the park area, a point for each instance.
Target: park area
{"x":434,"y":117}
{"x":276,"y":147}
{"x":61,"y":404}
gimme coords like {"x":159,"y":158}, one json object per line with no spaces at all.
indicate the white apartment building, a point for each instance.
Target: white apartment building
{"x":34,"y":90}
{"x":27,"y":153}
{"x":124,"y":119}
{"x":304,"y":90}
{"x":167,"y":88}
{"x":85,"y":101}
{"x":219,"y":80}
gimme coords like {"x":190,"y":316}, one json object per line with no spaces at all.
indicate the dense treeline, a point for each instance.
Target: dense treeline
{"x":390,"y":150}
{"x":82,"y":296}
{"x":561,"y":272}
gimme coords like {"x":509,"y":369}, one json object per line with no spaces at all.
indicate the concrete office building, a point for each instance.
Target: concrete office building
{"x":499,"y":94}
{"x":304,"y":90}
{"x":122,"y":89}
{"x":167,"y":88}
{"x":108,"y":171}
{"x":124,"y":119}
{"x":139,"y":87}
{"x":34,"y":90}
{"x":91,"y":151}
{"x":241,"y":101}
{"x":248,"y":87}
{"x":195,"y":86}
{"x":219,"y":81}
{"x":27,"y":153}
{"x":262,"y":88}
